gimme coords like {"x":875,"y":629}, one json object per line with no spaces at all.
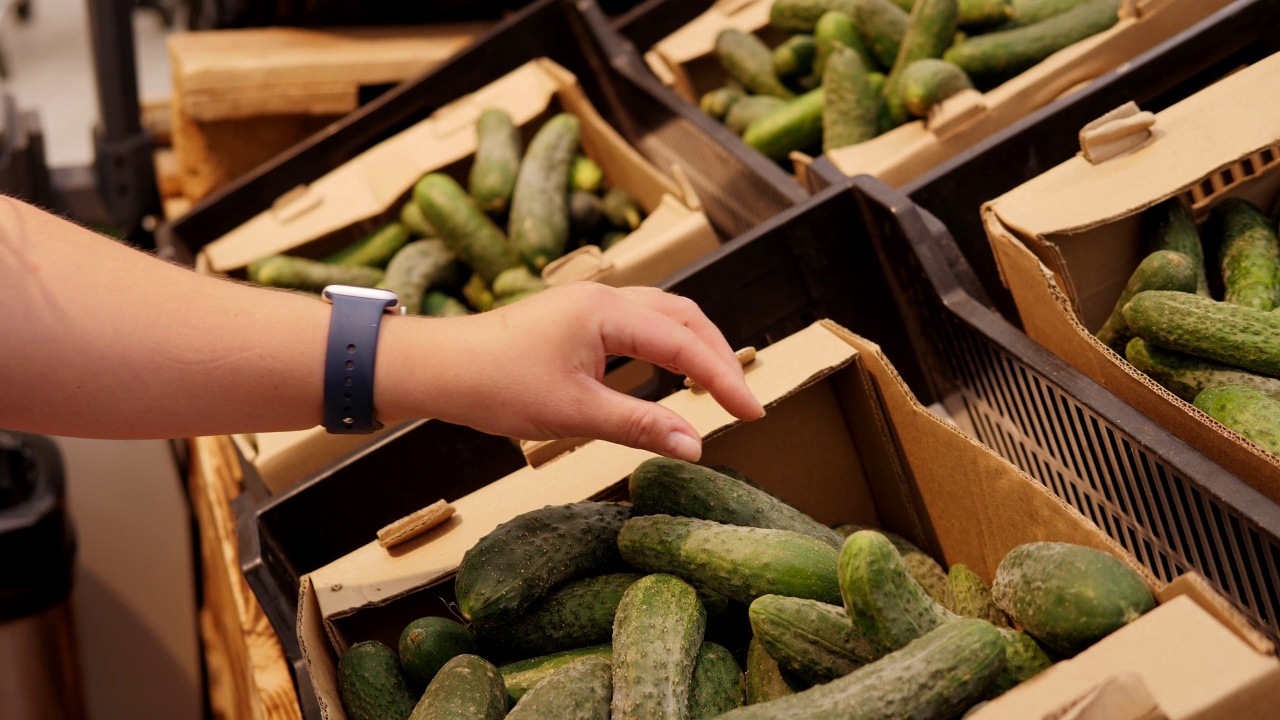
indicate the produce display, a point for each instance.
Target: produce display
{"x":599,"y":610}
{"x":1223,"y":356}
{"x":448,"y":253}
{"x":855,"y":69}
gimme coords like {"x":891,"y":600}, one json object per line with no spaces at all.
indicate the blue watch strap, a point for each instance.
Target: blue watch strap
{"x":349,"y":359}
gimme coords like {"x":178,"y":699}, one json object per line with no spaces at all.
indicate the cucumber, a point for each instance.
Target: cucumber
{"x":716,"y":687}
{"x":371,"y":683}
{"x":1253,"y":414}
{"x":749,"y":109}
{"x":497,"y":160}
{"x":439,"y":304}
{"x":883,"y":25}
{"x":426,"y":644}
{"x":1161,"y":270}
{"x":1187,"y":376}
{"x":477,"y":293}
{"x":931,"y":29}
{"x":581,"y":690}
{"x":463,"y":226}
{"x":887,"y":606}
{"x":298,"y":273}
{"x":1249,"y":256}
{"x":416,"y":268}
{"x":970,"y":596}
{"x":468,"y":687}
{"x":983,"y":13}
{"x":1068,"y":596}
{"x":539,"y":225}
{"x":808,"y":83}
{"x":414,"y":221}
{"x":375,"y":249}
{"x":741,"y":563}
{"x":517,"y":280}
{"x":621,"y":209}
{"x":920,"y":564}
{"x":585,"y":214}
{"x":925,"y":83}
{"x":585,"y":175}
{"x":836,"y":29}
{"x":812,"y":640}
{"x":935,"y":676}
{"x":576,"y":614}
{"x":749,"y":61}
{"x":656,"y":636}
{"x":993,"y":58}
{"x":663,"y":486}
{"x":792,"y":59}
{"x":764,"y":680}
{"x":1231,"y":334}
{"x":794,"y":126}
{"x":802,"y":15}
{"x":1030,"y":12}
{"x":522,"y":676}
{"x":717,"y":103}
{"x":1023,"y":660}
{"x":520,"y":560}
{"x":1169,"y":226}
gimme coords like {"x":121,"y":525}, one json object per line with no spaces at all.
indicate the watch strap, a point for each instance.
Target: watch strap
{"x":349,"y":363}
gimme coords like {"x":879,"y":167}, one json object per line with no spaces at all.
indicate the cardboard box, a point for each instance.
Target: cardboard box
{"x":341,"y":206}
{"x":684,"y":61}
{"x":1067,"y":241}
{"x":845,"y":440}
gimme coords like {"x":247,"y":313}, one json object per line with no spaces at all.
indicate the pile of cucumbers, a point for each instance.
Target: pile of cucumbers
{"x":652,"y":610}
{"x":447,"y":255}
{"x":855,"y":69}
{"x":1221,"y":355}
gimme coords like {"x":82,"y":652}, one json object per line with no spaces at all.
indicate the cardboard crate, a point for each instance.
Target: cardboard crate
{"x":845,"y":440}
{"x":1067,"y":241}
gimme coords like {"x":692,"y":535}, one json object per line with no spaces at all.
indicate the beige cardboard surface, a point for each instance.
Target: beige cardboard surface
{"x":843,"y":439}
{"x":1067,"y":241}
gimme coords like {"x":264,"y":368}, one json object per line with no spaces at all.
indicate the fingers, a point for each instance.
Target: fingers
{"x":619,"y":418}
{"x":687,"y":313}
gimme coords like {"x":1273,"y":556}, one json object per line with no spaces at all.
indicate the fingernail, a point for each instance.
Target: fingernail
{"x":684,"y":447}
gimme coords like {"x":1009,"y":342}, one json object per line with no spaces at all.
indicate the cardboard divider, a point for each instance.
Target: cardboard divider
{"x":846,"y":441}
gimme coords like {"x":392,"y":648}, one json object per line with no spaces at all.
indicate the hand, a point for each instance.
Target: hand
{"x":533,"y":370}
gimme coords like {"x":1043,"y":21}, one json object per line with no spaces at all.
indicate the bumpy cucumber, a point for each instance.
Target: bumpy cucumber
{"x":1231,"y":334}
{"x":1068,"y":596}
{"x":415,"y":222}
{"x":497,"y":160}
{"x":516,"y":280}
{"x":539,"y":226}
{"x":1023,"y":660}
{"x":794,"y":57}
{"x":836,"y":29}
{"x":931,"y":29}
{"x":1249,"y":255}
{"x":522,"y":676}
{"x":812,"y":640}
{"x":574,"y":615}
{"x":477,"y":292}
{"x":741,"y":563}
{"x":920,"y":564}
{"x":463,"y":226}
{"x":749,"y":109}
{"x":585,"y":175}
{"x":580,"y":690}
{"x":426,"y":644}
{"x":416,"y":268}
{"x":749,"y":61}
{"x":439,"y":304}
{"x":1253,"y":414}
{"x":1170,"y":226}
{"x":717,"y":103}
{"x":468,"y":687}
{"x":716,"y":687}
{"x":883,"y":25}
{"x":656,"y":636}
{"x":938,"y":676}
{"x":371,"y":683}
{"x":1187,"y":376}
{"x":764,"y":679}
{"x":927,"y":82}
{"x":375,"y":249}
{"x":1030,"y":12}
{"x":1161,"y":270}
{"x":887,"y":606}
{"x":621,"y":209}
{"x":802,"y":15}
{"x":983,"y":13}
{"x":970,"y":597}
{"x":298,"y":273}
{"x":794,"y":126}
{"x":663,"y":486}
{"x":517,"y":563}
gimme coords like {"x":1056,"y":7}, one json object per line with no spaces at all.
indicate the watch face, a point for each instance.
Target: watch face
{"x":360,"y":292}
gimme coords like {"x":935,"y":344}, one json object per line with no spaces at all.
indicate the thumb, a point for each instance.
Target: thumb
{"x":626,"y":420}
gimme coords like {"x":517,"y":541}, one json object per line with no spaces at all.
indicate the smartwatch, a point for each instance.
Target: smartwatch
{"x":353,"y":346}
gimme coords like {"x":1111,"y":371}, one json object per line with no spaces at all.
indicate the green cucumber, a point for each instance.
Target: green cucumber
{"x":415,"y":222}
{"x":656,"y":636}
{"x":716,"y":687}
{"x":883,"y":25}
{"x":1030,"y":12}
{"x":299,"y":273}
{"x":621,"y":209}
{"x":812,"y":640}
{"x":887,"y":606}
{"x":836,"y":29}
{"x":1253,"y":414}
{"x":574,"y":615}
{"x":749,"y":109}
{"x":426,"y":644}
{"x":1249,"y":254}
{"x":983,"y":13}
{"x":1231,"y":334}
{"x":925,"y":83}
{"x":372,"y":685}
{"x":1023,"y":660}
{"x":463,"y":226}
{"x":539,"y":225}
{"x":793,"y":58}
{"x":468,"y":687}
{"x":749,"y":61}
{"x":375,"y":249}
{"x":970,"y":597}
{"x":664,"y":486}
{"x":516,"y":280}
{"x":522,"y":676}
{"x":993,"y":58}
{"x":477,"y":293}
{"x":1068,"y":596}
{"x":497,"y":160}
{"x":1161,"y":270}
{"x":581,"y":690}
{"x":520,"y":560}
{"x":717,"y":103}
{"x":931,"y":29}
{"x":439,"y":304}
{"x":585,"y":175}
{"x":416,"y":268}
{"x":802,"y":15}
{"x":936,"y":676}
{"x":764,"y":680}
{"x":741,"y":563}
{"x":1169,"y":226}
{"x":794,"y":126}
{"x":920,"y":564}
{"x":1187,"y":376}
